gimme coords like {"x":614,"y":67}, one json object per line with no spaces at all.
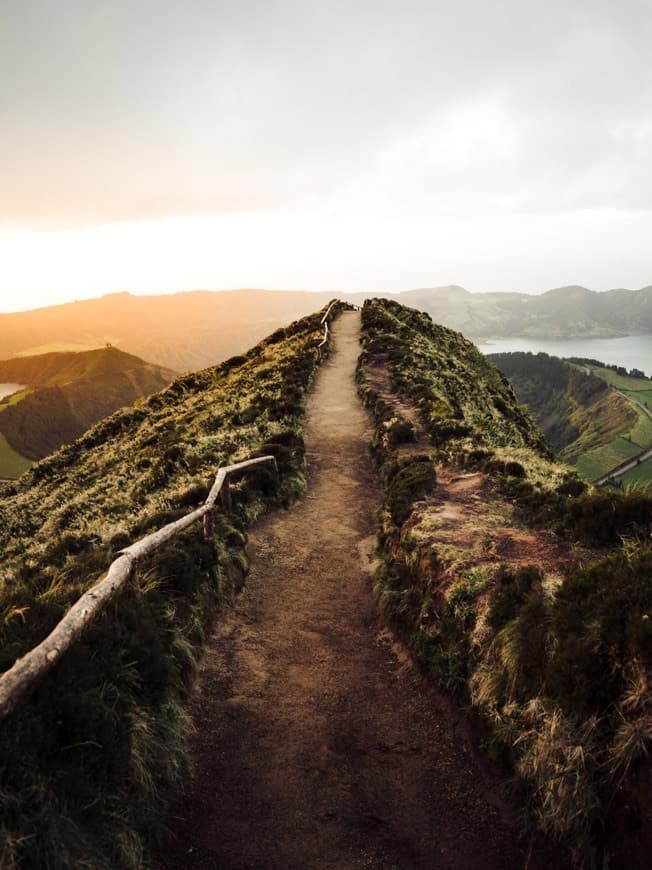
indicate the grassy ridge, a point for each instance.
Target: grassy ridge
{"x":101,"y":742}
{"x":558,"y":667}
{"x":68,"y":393}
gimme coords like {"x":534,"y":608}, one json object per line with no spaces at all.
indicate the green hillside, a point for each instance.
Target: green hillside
{"x":58,"y":369}
{"x":510,"y":581}
{"x":639,"y":392}
{"x":590,"y":414}
{"x":68,"y":392}
{"x":102,"y":743}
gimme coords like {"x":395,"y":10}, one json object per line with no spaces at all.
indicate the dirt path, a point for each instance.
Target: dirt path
{"x":317,"y":744}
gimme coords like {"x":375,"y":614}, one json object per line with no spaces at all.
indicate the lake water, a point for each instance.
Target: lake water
{"x":8,"y":389}
{"x":632,"y":351}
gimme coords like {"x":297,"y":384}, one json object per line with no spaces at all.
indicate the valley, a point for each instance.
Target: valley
{"x":194,"y":329}
{"x":595,"y":417}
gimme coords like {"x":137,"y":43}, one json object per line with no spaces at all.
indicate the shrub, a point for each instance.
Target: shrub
{"x":414,"y":479}
{"x":400,"y":432}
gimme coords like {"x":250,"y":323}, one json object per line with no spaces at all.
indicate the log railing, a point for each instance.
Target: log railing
{"x":324,"y":320}
{"x":27,"y":672}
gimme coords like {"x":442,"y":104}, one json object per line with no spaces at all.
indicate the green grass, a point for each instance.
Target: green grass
{"x":595,"y":463}
{"x":642,"y":474}
{"x":642,"y":396}
{"x":12,"y":464}
{"x":14,"y":398}
{"x":621,"y":382}
{"x":641,"y":432}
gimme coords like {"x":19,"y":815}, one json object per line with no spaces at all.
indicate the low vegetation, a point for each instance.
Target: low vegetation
{"x":67,"y":393}
{"x":552,"y":651}
{"x":101,"y":744}
{"x":593,"y":415}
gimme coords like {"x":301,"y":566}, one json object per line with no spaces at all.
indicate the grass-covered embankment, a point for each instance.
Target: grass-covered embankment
{"x":69,"y":392}
{"x":554,"y":653}
{"x":593,"y":416}
{"x":88,"y":762}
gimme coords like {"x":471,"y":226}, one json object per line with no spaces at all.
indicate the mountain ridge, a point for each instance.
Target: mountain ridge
{"x":192,"y":329}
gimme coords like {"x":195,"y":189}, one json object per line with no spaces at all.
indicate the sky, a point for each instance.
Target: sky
{"x":155,"y":146}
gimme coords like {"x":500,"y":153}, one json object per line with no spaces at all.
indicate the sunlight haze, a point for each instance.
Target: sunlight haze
{"x":156,"y":147}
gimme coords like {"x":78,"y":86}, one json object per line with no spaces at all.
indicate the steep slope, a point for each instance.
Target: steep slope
{"x":69,"y":393}
{"x":102,"y":742}
{"x":516,"y":586}
{"x":592,"y":415}
{"x":576,"y":410}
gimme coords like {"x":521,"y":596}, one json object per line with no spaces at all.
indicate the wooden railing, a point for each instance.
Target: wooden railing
{"x":324,"y":321}
{"x":26,"y":673}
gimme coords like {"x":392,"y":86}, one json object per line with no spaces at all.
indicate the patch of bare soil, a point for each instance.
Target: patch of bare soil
{"x":467,"y":514}
{"x":317,"y":744}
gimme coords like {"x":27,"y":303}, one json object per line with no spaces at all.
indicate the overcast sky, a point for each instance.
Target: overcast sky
{"x":162,"y":145}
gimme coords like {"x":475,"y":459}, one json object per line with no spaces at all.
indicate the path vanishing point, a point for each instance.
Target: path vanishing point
{"x":318,"y":744}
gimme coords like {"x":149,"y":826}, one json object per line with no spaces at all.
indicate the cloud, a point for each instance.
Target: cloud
{"x":145,"y":109}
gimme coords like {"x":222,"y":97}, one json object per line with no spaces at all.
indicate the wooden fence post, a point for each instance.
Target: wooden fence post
{"x":209,"y":526}
{"x":225,"y":496}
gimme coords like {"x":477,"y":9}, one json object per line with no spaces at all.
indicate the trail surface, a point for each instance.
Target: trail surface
{"x":318,"y":744}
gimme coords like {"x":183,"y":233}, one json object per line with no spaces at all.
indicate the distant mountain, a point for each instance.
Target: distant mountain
{"x":191,"y":330}
{"x":182,"y":331}
{"x":566,"y":312}
{"x":69,"y":392}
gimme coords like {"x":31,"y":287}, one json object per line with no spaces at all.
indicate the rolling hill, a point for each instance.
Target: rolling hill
{"x":65,"y":394}
{"x":181,"y":331}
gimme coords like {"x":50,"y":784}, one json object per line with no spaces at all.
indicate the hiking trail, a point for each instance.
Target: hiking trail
{"x":318,"y":744}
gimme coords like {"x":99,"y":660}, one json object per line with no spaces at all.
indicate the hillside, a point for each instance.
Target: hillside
{"x":517,"y":587}
{"x":103,"y":743}
{"x":576,"y":410}
{"x":66,"y":394}
{"x":591,"y":415}
{"x":565,"y":312}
